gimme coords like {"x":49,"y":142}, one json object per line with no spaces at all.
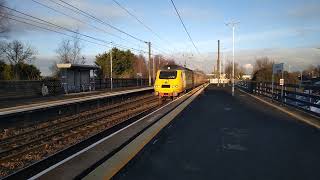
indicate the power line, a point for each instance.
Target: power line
{"x":48,"y":29}
{"x":140,"y":21}
{"x":57,"y":26}
{"x":64,"y":28}
{"x":24,"y":22}
{"x":76,"y":19}
{"x":103,"y":22}
{"x":78,"y":11}
{"x":52,"y":25}
{"x":184,"y":26}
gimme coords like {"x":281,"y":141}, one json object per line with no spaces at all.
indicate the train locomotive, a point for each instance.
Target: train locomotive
{"x":172,"y":80}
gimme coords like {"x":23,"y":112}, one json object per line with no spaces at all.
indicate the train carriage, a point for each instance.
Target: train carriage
{"x":172,"y":80}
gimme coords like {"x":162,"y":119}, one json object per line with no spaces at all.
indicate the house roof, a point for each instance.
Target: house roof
{"x":77,"y":66}
{"x":174,"y":67}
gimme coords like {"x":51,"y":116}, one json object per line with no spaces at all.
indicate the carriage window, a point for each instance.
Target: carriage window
{"x":168,"y":74}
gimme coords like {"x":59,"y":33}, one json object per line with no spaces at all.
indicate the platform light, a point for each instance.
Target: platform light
{"x":232,"y":25}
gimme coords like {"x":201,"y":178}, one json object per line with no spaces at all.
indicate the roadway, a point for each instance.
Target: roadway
{"x":223,"y":137}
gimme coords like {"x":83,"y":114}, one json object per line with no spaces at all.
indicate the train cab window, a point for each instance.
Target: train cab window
{"x":168,"y":74}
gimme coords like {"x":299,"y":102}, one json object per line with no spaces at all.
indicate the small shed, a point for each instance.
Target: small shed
{"x":77,"y":77}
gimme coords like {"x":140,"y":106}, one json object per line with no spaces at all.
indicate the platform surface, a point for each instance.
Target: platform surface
{"x":223,"y":137}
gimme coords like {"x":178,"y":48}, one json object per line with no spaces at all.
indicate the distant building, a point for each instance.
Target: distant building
{"x":77,"y":77}
{"x":214,"y":80}
{"x":246,"y":76}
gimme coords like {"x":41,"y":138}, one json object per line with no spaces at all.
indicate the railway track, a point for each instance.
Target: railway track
{"x":31,"y":144}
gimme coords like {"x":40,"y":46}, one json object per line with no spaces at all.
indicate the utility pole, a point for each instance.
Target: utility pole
{"x":149,"y":59}
{"x":153,"y":69}
{"x":232,"y":24}
{"x":218,"y":64}
{"x":111,"y":83}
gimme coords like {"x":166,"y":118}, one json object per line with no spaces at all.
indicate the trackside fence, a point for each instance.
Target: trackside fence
{"x":34,"y":88}
{"x":305,"y":98}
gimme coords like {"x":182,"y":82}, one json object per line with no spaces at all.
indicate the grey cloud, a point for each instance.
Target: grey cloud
{"x":306,"y":11}
{"x":103,"y":11}
{"x":194,"y":13}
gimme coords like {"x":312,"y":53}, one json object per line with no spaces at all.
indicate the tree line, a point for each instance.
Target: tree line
{"x":262,"y":71}
{"x":238,"y":70}
{"x":15,"y":61}
{"x":15,"y":56}
{"x":125,"y":64}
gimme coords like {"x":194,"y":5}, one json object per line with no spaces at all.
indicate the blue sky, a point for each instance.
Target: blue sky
{"x":264,"y":24}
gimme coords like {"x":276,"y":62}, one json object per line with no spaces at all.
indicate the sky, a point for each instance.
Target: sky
{"x":286,"y":31}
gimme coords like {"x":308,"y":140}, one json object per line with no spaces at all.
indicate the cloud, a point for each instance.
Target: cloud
{"x":106,"y":12}
{"x":248,"y":66}
{"x":194,"y":13}
{"x":101,"y":10}
{"x":297,"y":58}
{"x":305,"y":11}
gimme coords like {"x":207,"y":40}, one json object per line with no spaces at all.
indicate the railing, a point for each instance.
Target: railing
{"x":28,"y":88}
{"x":53,"y":87}
{"x":118,"y":83}
{"x":305,"y":98}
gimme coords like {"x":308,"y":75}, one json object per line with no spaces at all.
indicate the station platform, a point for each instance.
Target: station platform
{"x":19,"y":106}
{"x":223,"y":137}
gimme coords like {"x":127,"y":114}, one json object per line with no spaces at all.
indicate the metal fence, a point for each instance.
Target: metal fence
{"x":118,"y":83}
{"x":28,"y":88}
{"x":34,"y":88}
{"x":305,"y":98}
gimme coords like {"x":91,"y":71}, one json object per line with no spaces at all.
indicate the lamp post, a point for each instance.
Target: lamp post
{"x":232,"y":25}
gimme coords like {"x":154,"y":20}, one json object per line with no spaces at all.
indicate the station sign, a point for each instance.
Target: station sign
{"x":277,"y":68}
{"x":281,"y":82}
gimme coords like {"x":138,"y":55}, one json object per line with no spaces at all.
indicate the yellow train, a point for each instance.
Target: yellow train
{"x":172,"y":80}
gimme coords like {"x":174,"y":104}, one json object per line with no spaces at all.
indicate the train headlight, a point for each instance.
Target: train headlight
{"x":175,"y":86}
{"x":156,"y":86}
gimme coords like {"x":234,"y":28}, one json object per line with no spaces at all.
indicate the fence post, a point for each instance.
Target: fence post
{"x":54,"y":87}
{"x":295,"y":93}
{"x":285,"y":94}
{"x":310,"y":99}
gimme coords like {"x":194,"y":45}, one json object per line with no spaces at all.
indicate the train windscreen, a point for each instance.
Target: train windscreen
{"x":168,"y":74}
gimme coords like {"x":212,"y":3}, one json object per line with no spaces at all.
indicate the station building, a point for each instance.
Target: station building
{"x":77,"y":77}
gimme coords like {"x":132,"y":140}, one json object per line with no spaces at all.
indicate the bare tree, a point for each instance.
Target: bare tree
{"x":312,"y":71}
{"x":54,"y":69}
{"x":4,"y":23}
{"x":64,"y":51}
{"x":76,"y":51}
{"x":262,"y":69}
{"x":16,"y":52}
{"x":262,"y":63}
{"x":140,"y":66}
{"x":69,"y":51}
{"x":238,"y":70}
